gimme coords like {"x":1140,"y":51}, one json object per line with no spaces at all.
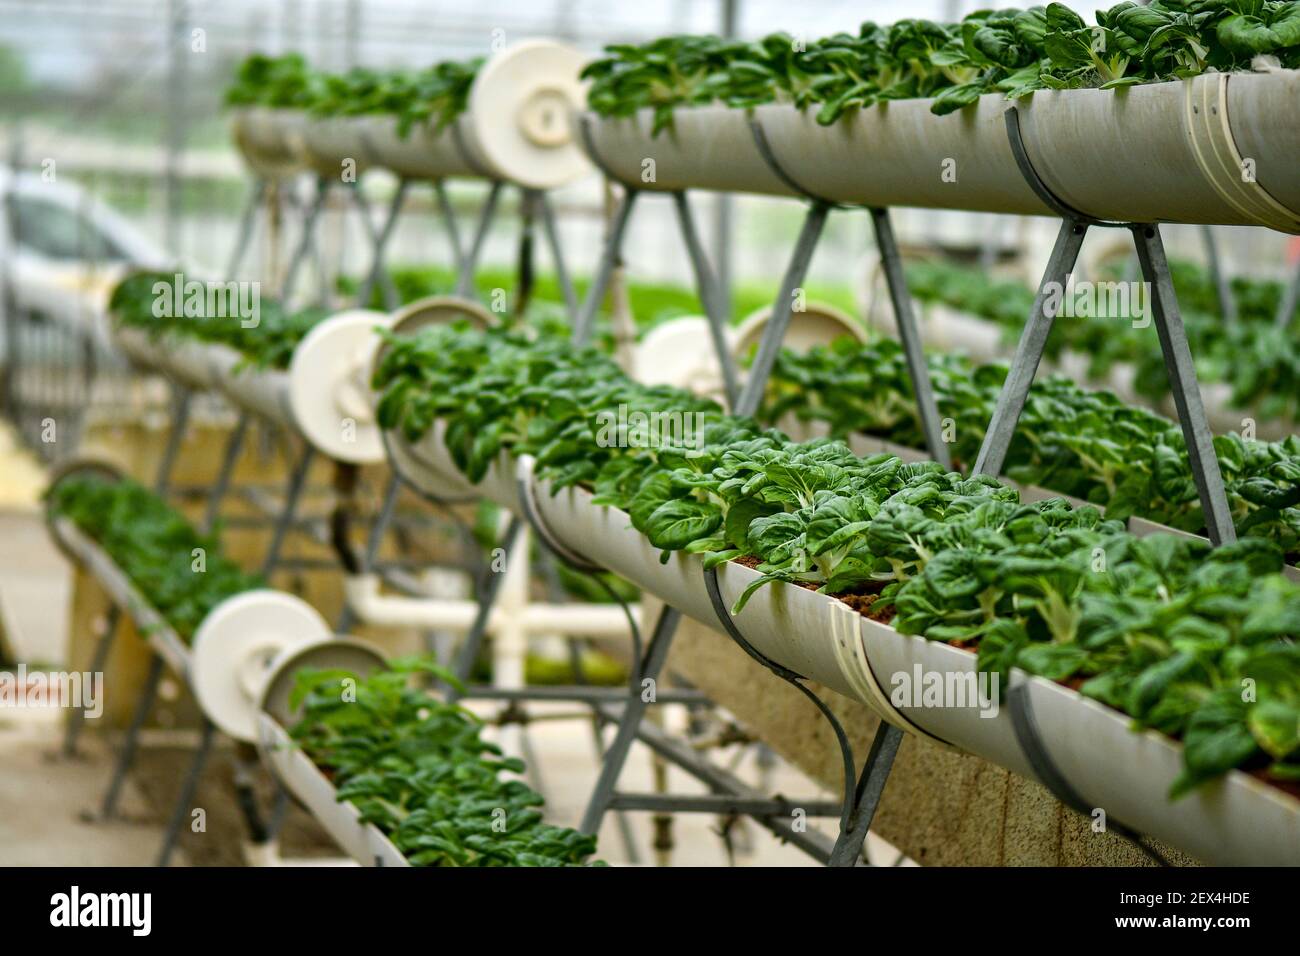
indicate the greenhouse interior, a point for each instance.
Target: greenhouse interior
{"x":685,"y":434}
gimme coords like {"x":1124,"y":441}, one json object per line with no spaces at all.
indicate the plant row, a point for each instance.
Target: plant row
{"x":1256,"y":356}
{"x":413,"y":765}
{"x":418,"y":768}
{"x":179,"y":571}
{"x":1010,"y":51}
{"x":1089,"y":445}
{"x":266,"y":342}
{"x":1163,"y":628}
{"x":435,"y":95}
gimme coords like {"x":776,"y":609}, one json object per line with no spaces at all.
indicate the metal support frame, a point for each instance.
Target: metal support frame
{"x":175,"y":437}
{"x":77,"y":719}
{"x":1169,"y":327}
{"x":126,"y":756}
{"x":187,"y":791}
{"x":629,"y":722}
{"x":234,"y":444}
{"x":297,"y":479}
{"x":909,"y":334}
{"x":711,"y":295}
{"x":307,"y":241}
{"x":469,"y":264}
{"x":1222,"y":286}
{"x":862,"y":794}
{"x":1290,"y":295}
{"x":247,"y":220}
{"x":378,"y":237}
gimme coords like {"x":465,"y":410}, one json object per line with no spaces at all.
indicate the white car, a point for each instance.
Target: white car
{"x":64,"y":251}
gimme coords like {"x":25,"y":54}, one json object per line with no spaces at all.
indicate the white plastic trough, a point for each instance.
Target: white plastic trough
{"x":323,"y":395}
{"x":1161,"y":152}
{"x":268,"y":139}
{"x":157,"y":633}
{"x":516,"y":127}
{"x":246,"y":654}
{"x":364,"y":842}
{"x":1236,"y":820}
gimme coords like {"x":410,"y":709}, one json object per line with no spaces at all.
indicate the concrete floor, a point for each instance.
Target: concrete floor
{"x":45,"y":801}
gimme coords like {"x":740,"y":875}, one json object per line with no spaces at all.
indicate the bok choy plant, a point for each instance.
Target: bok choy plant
{"x":1163,"y":628}
{"x":1013,"y":52}
{"x":1089,"y":445}
{"x":154,"y":546}
{"x":436,"y":95}
{"x":418,"y":768}
{"x":267,"y":344}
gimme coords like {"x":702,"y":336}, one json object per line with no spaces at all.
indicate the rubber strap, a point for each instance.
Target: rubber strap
{"x":765,"y":150}
{"x":850,"y":651}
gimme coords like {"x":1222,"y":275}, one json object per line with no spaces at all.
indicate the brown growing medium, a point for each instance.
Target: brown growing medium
{"x":860,"y":600}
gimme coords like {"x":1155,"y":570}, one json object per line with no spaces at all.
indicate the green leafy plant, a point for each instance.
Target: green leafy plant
{"x":418,"y":768}
{"x":1259,"y":359}
{"x":1086,"y":444}
{"x":436,"y":95}
{"x":1056,"y":591}
{"x":154,"y":546}
{"x":267,"y":344}
{"x":1014,"y":52}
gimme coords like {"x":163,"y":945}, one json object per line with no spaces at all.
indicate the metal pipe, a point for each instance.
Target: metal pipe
{"x":1182,"y":382}
{"x":1029,"y":351}
{"x":909,"y":334}
{"x":609,"y":259}
{"x":711,"y":296}
{"x":465,"y":281}
{"x":782,"y":310}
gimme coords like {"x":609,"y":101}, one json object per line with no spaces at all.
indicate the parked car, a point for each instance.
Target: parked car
{"x":63,"y":251}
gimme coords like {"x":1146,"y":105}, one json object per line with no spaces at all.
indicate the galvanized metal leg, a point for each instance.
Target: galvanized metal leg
{"x":377,"y":274}
{"x":910,"y":335}
{"x":1222,"y":287}
{"x":1290,"y":295}
{"x":489,"y":588}
{"x":629,"y":722}
{"x":180,"y":423}
{"x":610,"y":257}
{"x":468,"y":266}
{"x":186,"y":796}
{"x":1182,"y":382}
{"x":1029,"y":352}
{"x":126,"y":756}
{"x":347,"y":617}
{"x":524,"y":270}
{"x":234,"y":444}
{"x":552,"y":233}
{"x":880,"y":760}
{"x":307,"y":241}
{"x":297,"y":480}
{"x":77,"y":719}
{"x":448,"y":216}
{"x":245,"y":232}
{"x":782,"y":310}
{"x":710,"y":295}
{"x":378,"y":243}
